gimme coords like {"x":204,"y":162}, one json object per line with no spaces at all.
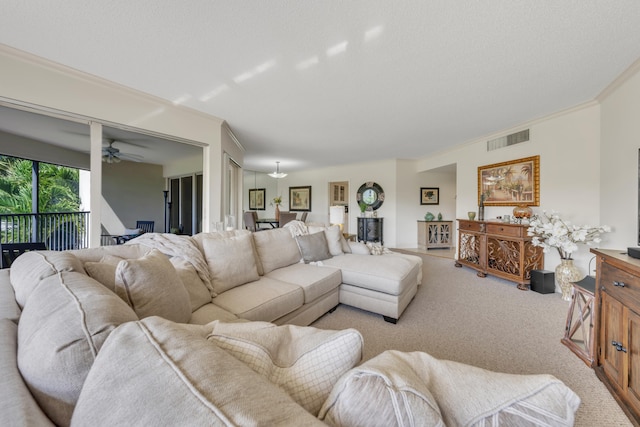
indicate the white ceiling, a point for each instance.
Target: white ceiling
{"x":323,"y":82}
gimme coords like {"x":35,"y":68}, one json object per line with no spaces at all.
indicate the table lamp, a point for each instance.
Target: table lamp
{"x":336,"y":216}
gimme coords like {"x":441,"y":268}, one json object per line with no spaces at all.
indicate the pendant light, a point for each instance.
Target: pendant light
{"x":277,"y":173}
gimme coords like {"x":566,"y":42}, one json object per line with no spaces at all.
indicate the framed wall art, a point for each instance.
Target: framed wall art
{"x":256,"y":199}
{"x":300,"y":199}
{"x":429,"y":196}
{"x":512,"y":183}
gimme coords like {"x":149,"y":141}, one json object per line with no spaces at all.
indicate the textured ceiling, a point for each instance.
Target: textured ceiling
{"x":315,"y":83}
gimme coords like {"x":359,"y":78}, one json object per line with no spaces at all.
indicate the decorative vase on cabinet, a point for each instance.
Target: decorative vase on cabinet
{"x":566,"y":274}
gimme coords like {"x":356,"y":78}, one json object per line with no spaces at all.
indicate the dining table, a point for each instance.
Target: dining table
{"x":271,"y":221}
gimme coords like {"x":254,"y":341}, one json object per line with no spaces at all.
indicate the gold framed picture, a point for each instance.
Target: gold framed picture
{"x":512,"y":183}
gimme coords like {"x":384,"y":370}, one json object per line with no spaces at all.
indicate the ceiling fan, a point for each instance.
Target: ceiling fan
{"x":111,"y":154}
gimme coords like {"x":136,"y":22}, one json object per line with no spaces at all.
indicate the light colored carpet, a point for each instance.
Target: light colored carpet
{"x":489,"y":323}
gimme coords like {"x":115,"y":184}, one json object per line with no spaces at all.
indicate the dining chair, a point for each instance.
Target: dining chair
{"x":249,"y":218}
{"x":10,"y":251}
{"x":286,"y":217}
{"x":303,"y":218}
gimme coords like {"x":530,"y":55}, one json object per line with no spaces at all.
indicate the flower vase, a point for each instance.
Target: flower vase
{"x":277,"y":213}
{"x":566,"y":274}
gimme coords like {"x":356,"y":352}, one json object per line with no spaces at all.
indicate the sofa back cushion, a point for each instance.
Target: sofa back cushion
{"x":155,"y":372}
{"x":276,"y":248}
{"x":152,"y":287}
{"x":63,"y":325}
{"x":231,"y":262}
{"x":31,"y":267}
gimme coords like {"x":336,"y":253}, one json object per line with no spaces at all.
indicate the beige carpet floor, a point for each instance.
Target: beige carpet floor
{"x":489,"y":323}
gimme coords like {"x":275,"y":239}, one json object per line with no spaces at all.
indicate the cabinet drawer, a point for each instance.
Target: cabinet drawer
{"x":620,"y":285}
{"x":506,"y":230}
{"x":470,"y":226}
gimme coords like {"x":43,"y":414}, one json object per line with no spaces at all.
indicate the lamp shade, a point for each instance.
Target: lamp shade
{"x":336,"y":215}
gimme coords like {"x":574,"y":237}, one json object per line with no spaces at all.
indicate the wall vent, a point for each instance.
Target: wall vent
{"x":505,"y":141}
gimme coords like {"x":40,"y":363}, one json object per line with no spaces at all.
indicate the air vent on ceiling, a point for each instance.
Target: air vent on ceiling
{"x":505,"y":141}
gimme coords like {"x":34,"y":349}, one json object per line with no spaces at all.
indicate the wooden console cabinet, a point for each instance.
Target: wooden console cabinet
{"x":435,"y":234}
{"x":500,"y":249}
{"x":618,"y":327}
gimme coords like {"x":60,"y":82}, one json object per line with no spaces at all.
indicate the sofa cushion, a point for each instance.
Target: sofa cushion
{"x":210,"y":312}
{"x":63,"y":325}
{"x":231,"y":262}
{"x":265,"y":299}
{"x":306,"y":362}
{"x":270,"y":258}
{"x":470,"y":396}
{"x":154,"y":372}
{"x":313,"y":247}
{"x":315,"y":281}
{"x":381,"y":393}
{"x":31,"y":267}
{"x":387,"y":273}
{"x":99,"y":254}
{"x":17,"y":405}
{"x":152,"y":287}
{"x":334,"y":237}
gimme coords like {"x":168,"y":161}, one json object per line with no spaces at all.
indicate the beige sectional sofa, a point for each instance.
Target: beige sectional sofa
{"x":203,"y":330}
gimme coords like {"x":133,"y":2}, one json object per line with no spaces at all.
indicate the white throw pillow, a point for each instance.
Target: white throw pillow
{"x":466,"y":395}
{"x":152,"y":287}
{"x":381,"y":392}
{"x":305,"y":361}
{"x":231,"y":262}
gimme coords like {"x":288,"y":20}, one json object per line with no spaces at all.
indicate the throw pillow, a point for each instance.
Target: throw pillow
{"x":377,"y":249}
{"x":359,"y":248}
{"x":103,"y":273}
{"x":231,"y":262}
{"x":313,"y":247}
{"x":305,"y":361}
{"x":158,"y":373}
{"x":152,"y":287}
{"x":467,"y":395}
{"x":333,"y":236}
{"x":62,"y":328}
{"x":345,"y":245}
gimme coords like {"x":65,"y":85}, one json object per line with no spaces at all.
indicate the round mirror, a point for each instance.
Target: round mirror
{"x":371,"y":194}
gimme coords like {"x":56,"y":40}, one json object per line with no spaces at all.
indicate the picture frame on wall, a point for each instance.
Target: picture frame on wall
{"x":256,"y":199}
{"x":300,"y":199}
{"x":429,"y":196}
{"x":512,"y":183}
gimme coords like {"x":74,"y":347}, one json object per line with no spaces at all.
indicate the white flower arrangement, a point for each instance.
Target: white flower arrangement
{"x":554,"y":232}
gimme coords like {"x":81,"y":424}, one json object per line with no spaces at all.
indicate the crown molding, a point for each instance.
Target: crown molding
{"x":619,"y":81}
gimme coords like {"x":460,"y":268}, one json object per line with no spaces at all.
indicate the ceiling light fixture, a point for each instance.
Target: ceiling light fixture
{"x":277,"y":173}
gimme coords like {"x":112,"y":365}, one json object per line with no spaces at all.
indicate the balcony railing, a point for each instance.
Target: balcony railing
{"x":59,"y":231}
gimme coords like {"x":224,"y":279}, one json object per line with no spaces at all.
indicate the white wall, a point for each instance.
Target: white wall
{"x":383,"y":172}
{"x":619,"y":160}
{"x":568,"y":144}
{"x":36,"y":83}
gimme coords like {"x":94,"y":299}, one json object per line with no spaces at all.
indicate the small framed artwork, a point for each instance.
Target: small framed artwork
{"x":300,"y":199}
{"x":512,"y":183}
{"x":429,"y":196}
{"x":256,"y":199}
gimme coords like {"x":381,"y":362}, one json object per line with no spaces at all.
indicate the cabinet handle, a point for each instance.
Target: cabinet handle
{"x":618,"y":346}
{"x":619,"y":284}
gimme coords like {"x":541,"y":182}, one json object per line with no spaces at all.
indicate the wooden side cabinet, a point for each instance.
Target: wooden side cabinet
{"x":500,"y":249}
{"x":435,"y":234}
{"x":370,"y":230}
{"x":618,"y":327}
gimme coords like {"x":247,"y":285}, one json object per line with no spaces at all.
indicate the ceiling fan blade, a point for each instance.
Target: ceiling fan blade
{"x":130,"y":157}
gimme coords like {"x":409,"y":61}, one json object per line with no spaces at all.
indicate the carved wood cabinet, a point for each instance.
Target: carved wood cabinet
{"x":435,"y":234}
{"x":500,"y":249}
{"x":618,"y":327}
